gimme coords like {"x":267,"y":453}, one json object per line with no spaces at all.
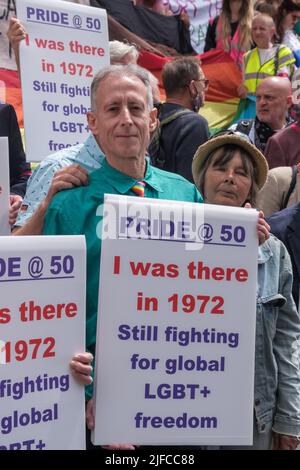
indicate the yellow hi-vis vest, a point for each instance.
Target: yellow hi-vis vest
{"x":255,"y":72}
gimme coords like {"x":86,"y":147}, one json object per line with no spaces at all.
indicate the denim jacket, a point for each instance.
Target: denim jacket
{"x":277,"y":372}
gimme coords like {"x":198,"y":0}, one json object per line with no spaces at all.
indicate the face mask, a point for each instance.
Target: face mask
{"x":197,"y":102}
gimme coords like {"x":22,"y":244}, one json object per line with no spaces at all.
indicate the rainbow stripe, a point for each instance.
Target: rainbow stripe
{"x":139,"y":188}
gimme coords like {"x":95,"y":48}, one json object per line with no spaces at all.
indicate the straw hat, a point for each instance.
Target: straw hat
{"x":235,"y":138}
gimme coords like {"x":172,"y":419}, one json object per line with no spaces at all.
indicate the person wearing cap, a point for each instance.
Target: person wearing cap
{"x":229,"y":170}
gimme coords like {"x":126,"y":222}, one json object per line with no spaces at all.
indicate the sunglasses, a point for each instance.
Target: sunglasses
{"x":205,"y":82}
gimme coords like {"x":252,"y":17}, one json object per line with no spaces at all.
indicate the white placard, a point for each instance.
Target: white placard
{"x":176,"y":324}
{"x":200,"y":12}
{"x":4,"y":186}
{"x":42,"y":320}
{"x":66,"y":45}
{"x":7,"y":58}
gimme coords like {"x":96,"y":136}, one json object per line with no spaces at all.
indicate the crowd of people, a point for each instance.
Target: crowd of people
{"x":165,"y":146}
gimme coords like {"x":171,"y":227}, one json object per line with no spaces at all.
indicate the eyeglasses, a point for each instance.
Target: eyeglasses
{"x":205,"y":81}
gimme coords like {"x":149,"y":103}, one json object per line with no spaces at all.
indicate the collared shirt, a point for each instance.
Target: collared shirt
{"x":77,"y":211}
{"x":88,"y":155}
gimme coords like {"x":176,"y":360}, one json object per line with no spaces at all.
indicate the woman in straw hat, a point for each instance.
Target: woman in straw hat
{"x":229,"y":170}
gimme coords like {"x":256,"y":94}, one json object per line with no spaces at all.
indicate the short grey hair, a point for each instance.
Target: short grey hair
{"x":130,"y":70}
{"x":118,"y":50}
{"x":154,"y":83}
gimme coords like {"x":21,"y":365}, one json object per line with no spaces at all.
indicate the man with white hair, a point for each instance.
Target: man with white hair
{"x":122,"y":53}
{"x":121,"y":119}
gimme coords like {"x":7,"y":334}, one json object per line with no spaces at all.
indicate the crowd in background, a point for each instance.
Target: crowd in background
{"x":263,"y":40}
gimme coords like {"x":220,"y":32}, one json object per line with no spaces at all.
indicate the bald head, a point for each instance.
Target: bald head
{"x":264,"y":18}
{"x":273,"y":99}
{"x":263,"y":30}
{"x":280,"y":85}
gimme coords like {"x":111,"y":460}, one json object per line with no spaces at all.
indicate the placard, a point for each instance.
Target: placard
{"x":66,"y":44}
{"x":200,"y":13}
{"x":42,"y":320}
{"x":176,"y":324}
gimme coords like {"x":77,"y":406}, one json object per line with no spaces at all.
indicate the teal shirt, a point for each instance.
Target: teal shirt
{"x":73,"y":212}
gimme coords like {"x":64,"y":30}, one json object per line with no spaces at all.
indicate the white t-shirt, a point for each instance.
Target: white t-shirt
{"x":291,"y":40}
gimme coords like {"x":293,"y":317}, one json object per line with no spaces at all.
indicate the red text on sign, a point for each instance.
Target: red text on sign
{"x":200,"y":303}
{"x":34,"y":348}
{"x":31,"y":312}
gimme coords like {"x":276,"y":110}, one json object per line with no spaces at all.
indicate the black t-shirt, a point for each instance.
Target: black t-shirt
{"x":211,"y":34}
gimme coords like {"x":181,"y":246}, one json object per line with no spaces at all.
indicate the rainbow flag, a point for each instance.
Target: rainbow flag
{"x":221,"y":99}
